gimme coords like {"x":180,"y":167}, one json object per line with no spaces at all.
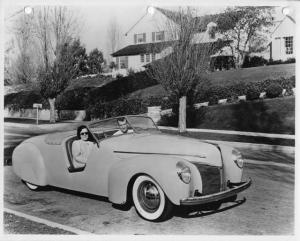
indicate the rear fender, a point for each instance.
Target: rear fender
{"x":28,"y":164}
{"x":161,"y":168}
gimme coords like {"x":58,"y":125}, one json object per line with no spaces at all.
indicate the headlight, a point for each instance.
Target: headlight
{"x":237,"y":158}
{"x":183,"y":172}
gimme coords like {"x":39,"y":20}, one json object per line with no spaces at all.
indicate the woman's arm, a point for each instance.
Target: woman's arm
{"x":77,"y":155}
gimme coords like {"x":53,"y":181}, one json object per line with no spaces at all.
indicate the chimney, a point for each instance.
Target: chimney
{"x":211,"y":30}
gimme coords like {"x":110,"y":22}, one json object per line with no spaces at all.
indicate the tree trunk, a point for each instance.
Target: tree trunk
{"x":240,"y":60}
{"x":182,"y":114}
{"x":52,"y":109}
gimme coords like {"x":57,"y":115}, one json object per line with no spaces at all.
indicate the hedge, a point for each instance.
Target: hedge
{"x":24,"y":100}
{"x":121,"y":87}
{"x":123,"y":106}
{"x":216,"y":92}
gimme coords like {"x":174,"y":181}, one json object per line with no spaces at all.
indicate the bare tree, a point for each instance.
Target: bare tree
{"x":54,"y":28}
{"x":186,"y":60}
{"x":22,"y":68}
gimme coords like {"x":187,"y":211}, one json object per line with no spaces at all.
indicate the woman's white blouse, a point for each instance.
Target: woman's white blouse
{"x":81,"y":150}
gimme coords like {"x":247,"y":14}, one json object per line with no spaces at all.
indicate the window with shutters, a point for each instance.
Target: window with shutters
{"x":147,"y":57}
{"x":158,"y":36}
{"x":140,"y":38}
{"x":142,"y":58}
{"x":288,"y":45}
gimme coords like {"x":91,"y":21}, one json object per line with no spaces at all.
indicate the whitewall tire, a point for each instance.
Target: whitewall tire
{"x":32,"y":187}
{"x":150,"y":201}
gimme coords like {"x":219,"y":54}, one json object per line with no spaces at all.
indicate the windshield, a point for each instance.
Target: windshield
{"x":122,"y":125}
{"x":142,"y":123}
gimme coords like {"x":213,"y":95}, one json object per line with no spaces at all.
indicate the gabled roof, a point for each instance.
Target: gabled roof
{"x":138,"y":49}
{"x":278,"y":23}
{"x":174,"y":16}
{"x":202,"y":21}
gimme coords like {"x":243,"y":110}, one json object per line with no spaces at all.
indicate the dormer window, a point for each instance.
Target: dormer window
{"x":158,"y":36}
{"x":140,"y":38}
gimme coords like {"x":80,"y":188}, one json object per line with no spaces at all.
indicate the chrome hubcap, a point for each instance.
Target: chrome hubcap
{"x":148,"y":196}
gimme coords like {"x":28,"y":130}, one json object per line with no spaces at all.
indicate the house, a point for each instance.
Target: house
{"x":149,"y":39}
{"x":282,"y":45}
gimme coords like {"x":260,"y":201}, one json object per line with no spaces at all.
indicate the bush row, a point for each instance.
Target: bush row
{"x":252,"y":90}
{"x":288,"y":61}
{"x":260,"y":61}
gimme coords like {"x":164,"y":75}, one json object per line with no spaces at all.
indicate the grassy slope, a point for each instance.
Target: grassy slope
{"x":271,"y":116}
{"x":230,"y":77}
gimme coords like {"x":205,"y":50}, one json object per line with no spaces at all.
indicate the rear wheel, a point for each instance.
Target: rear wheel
{"x":32,"y":187}
{"x":149,"y":199}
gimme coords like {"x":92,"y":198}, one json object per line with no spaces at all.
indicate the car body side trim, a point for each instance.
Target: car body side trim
{"x":158,"y":153}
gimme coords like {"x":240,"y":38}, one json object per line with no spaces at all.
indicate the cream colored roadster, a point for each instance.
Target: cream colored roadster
{"x":152,"y":170}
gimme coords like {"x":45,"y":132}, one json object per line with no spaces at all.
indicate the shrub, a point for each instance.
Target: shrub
{"x":121,"y":87}
{"x":193,"y":117}
{"x":76,"y":99}
{"x":254,"y":61}
{"x":274,"y":90}
{"x":24,"y":100}
{"x":288,"y":61}
{"x":252,"y":92}
{"x":168,"y":120}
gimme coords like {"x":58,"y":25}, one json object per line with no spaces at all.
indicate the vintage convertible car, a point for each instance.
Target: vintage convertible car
{"x":154,"y":171}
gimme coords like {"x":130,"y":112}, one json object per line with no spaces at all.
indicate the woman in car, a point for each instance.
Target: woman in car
{"x":82,"y":147}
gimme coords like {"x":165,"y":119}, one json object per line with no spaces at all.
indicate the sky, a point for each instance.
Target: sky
{"x":96,"y":15}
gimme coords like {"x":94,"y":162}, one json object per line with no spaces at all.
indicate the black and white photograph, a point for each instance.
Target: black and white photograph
{"x":140,"y":119}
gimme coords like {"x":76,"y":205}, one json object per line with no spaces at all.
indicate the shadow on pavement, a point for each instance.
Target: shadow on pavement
{"x":205,"y":209}
{"x":76,"y":193}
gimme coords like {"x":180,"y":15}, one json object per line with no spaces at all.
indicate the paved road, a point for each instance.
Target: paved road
{"x":268,"y":207}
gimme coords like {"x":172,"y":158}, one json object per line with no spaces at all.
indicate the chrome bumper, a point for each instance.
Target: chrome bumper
{"x":217,"y":196}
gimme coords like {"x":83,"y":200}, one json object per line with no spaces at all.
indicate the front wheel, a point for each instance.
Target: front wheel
{"x":149,"y":199}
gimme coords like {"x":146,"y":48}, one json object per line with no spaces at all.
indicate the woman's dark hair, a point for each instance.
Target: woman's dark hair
{"x":79,"y":129}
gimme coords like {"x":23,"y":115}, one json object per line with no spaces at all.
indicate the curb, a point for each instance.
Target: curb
{"x":41,"y":126}
{"x":47,"y":222}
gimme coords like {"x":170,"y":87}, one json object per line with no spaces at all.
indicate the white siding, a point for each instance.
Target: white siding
{"x":286,"y":29}
{"x":148,"y":24}
{"x":134,"y":62}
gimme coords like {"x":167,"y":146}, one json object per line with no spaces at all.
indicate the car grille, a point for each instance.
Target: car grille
{"x":211,"y":178}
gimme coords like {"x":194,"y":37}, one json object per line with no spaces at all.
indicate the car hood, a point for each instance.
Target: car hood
{"x":161,"y":144}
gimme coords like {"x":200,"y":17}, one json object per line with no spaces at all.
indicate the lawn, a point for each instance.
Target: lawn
{"x":268,"y":116}
{"x":230,"y":77}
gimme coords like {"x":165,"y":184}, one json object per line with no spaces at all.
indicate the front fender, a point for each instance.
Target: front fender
{"x":231,"y":171}
{"x":28,"y":164}
{"x":161,"y":168}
